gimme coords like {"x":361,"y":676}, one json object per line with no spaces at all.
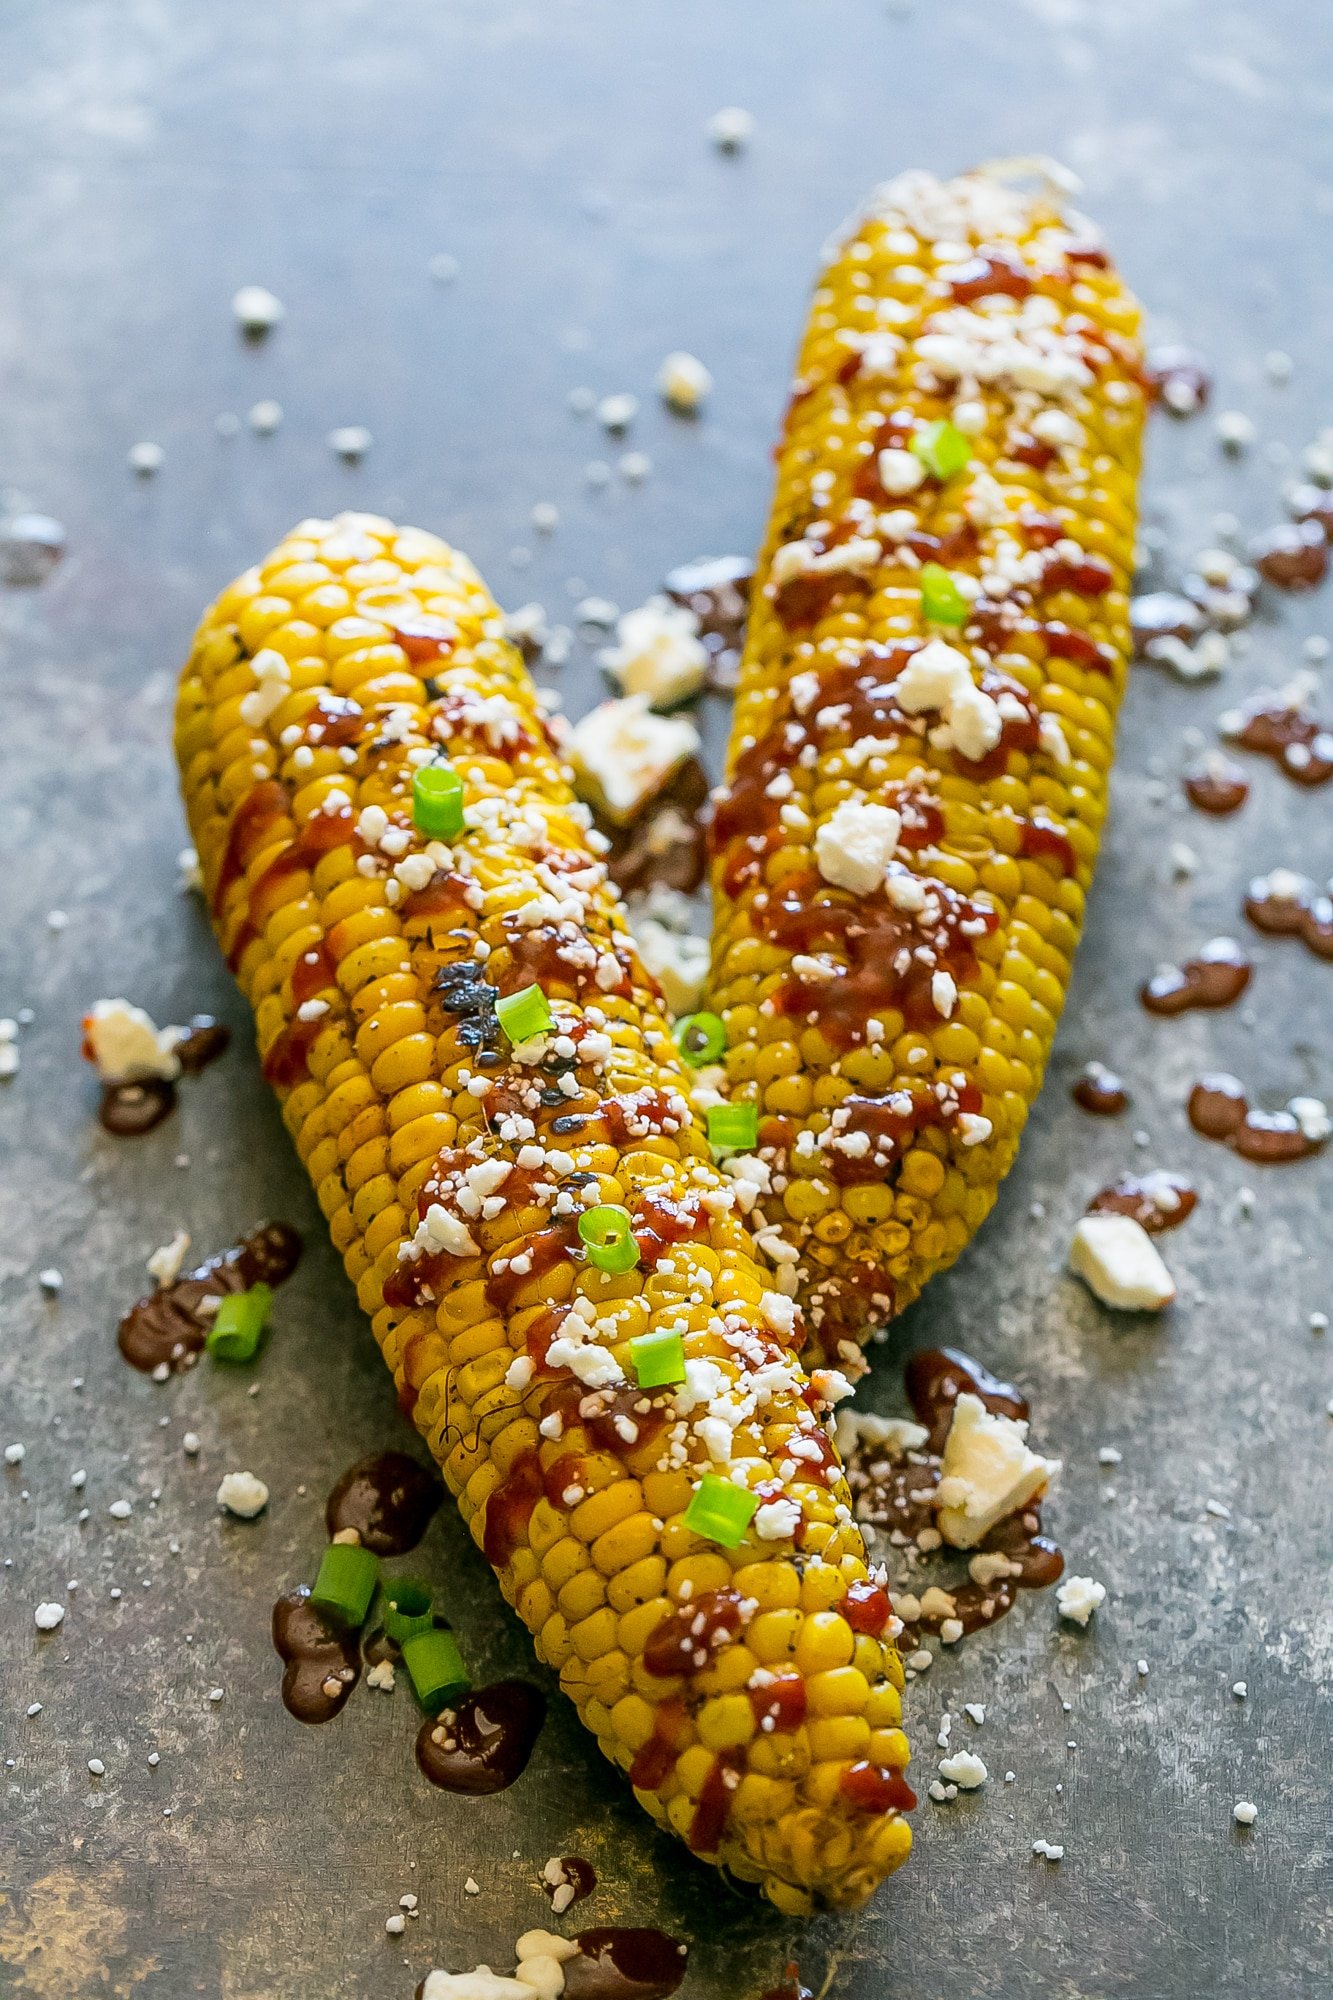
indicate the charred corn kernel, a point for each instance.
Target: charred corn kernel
{"x":913,"y":803}
{"x":374,"y":958}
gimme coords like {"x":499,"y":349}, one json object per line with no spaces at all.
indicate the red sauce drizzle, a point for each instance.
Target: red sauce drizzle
{"x":1216,"y":978}
{"x":1064,"y":643}
{"x":876,"y":1789}
{"x":655,"y":1759}
{"x":779,"y":1707}
{"x":1293,"y":556}
{"x":1305,"y":913}
{"x":1100,"y":1091}
{"x":1157,"y":1201}
{"x":335,"y":722}
{"x":687,"y":1639}
{"x":1217,"y":785}
{"x":991,"y":270}
{"x":509,"y":1509}
{"x":542,"y":1252}
{"x":714,"y":1806}
{"x":660,"y":1221}
{"x":1299,"y":744}
{"x":866,"y":1608}
{"x":425,"y":640}
{"x":1042,"y":839}
{"x":253,"y":821}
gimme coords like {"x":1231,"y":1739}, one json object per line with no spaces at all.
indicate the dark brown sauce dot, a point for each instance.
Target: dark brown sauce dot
{"x":323,"y":1663}
{"x":128,"y":1110}
{"x":389,"y":1498}
{"x":483,"y":1743}
{"x":617,"y":1964}
{"x":1216,"y":785}
{"x":1293,"y":555}
{"x":1216,"y":978}
{"x":1100,"y":1091}
{"x":1157,"y":1201}
{"x":574,"y":1874}
{"x":938,"y":1376}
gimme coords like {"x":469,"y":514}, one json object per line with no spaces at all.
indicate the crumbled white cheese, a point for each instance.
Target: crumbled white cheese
{"x":273,"y":679}
{"x":678,"y":962}
{"x":1048,"y":1850}
{"x":964,"y":1769}
{"x":987,"y":1472}
{"x":242,"y":1494}
{"x":658,"y":653}
{"x":802,"y":559}
{"x":776,"y":1520}
{"x":165,"y":1263}
{"x":622,"y":754}
{"x":127,"y":1045}
{"x":939,"y":677}
{"x":47,"y":1616}
{"x":1244,"y":1813}
{"x":1078,"y":1597}
{"x":256,"y":309}
{"x":855,"y":1429}
{"x":854,"y":846}
{"x":617,"y":413}
{"x":731,"y":129}
{"x":146,"y":459}
{"x":683,"y":382}
{"x":1120,"y":1264}
{"x":900,"y":472}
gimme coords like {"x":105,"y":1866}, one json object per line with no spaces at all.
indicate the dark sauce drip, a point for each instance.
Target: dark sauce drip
{"x":1158,"y":1201}
{"x":1100,"y":1091}
{"x":542,"y":1252}
{"x":1163,"y":614}
{"x":127,"y":1110}
{"x":335,"y":722}
{"x":541,"y":956}
{"x":323,"y":1663}
{"x":1220,"y":1109}
{"x":389,"y":1498}
{"x":779,"y":1706}
{"x":938,"y":1376}
{"x":483,"y":1743}
{"x":615,"y":1964}
{"x":1043,"y":839}
{"x":1292,"y":556}
{"x":891,"y":1123}
{"x":688,"y":1638}
{"x":1305,"y":913}
{"x":876,"y":1788}
{"x":713,"y":1807}
{"x":578,"y":1875}
{"x":1178,"y":377}
{"x":443,"y":899}
{"x":169,"y":1327}
{"x":667,"y":844}
{"x":717,"y":591}
{"x":988,"y":272}
{"x":425,"y":640}
{"x":661,"y":1221}
{"x":1218,"y":785}
{"x":656,"y":1757}
{"x":1299,"y":744}
{"x":1216,"y":978}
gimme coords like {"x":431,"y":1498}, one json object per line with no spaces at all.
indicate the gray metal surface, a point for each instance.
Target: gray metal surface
{"x":153,"y":156}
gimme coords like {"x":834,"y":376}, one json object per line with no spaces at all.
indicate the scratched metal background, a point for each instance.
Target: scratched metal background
{"x":153,"y":156}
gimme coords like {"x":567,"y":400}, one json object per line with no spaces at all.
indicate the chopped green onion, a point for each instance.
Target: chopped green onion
{"x":942,"y":449}
{"x":658,"y":1359}
{"x":436,"y":1666}
{"x":406,"y":1610}
{"x":346,"y":1583}
{"x":733,"y":1128}
{"x":942,"y":602}
{"x":701,"y":1038}
{"x":720,"y":1512}
{"x":437,"y":801}
{"x":239,"y":1324}
{"x":607,"y":1236}
{"x":525,"y":1014}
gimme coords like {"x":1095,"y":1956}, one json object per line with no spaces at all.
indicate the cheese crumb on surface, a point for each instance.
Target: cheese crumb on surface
{"x":1048,"y":1850}
{"x":658,"y":653}
{"x":126,"y":1044}
{"x":1078,"y":1597}
{"x":1244,"y":1813}
{"x":731,"y":129}
{"x":1120,"y":1264}
{"x":242,"y":1494}
{"x":678,"y":962}
{"x":47,"y":1616}
{"x":165,"y":1263}
{"x":964,"y":1769}
{"x":683,"y":382}
{"x":622,"y":754}
{"x":256,"y":309}
{"x":987,"y":1472}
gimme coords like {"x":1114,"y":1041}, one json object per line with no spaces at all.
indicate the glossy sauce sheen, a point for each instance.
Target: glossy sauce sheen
{"x":1220,"y":1109}
{"x":1218,"y":786}
{"x":168,"y":1325}
{"x":1297,"y":741}
{"x":1216,"y":978}
{"x":389,"y":1499}
{"x":938,"y":1376}
{"x":323,"y":1663}
{"x":484,"y":1741}
{"x":1100,"y":1092}
{"x":617,"y":1964}
{"x":1157,"y":1201}
{"x":1306,"y":914}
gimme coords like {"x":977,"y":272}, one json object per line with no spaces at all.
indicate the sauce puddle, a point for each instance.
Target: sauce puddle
{"x":323,"y":1664}
{"x":169,"y":1328}
{"x":1216,"y":978}
{"x":482,"y":1743}
{"x":1220,"y":1109}
{"x":128,"y":1110}
{"x":1100,"y":1092}
{"x":1156,"y":1201}
{"x":388,"y":1498}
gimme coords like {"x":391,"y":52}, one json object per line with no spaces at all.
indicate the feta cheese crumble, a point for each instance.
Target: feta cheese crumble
{"x":1120,"y":1264}
{"x":987,"y":1472}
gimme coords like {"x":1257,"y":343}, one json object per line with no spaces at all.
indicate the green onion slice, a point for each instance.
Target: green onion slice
{"x":701,"y":1038}
{"x":942,"y":602}
{"x":436,"y":1666}
{"x":942,"y":449}
{"x":437,"y":801}
{"x":720,"y":1512}
{"x":525,"y":1014}
{"x":239,"y":1323}
{"x":733,"y":1128}
{"x":346,"y":1583}
{"x":407,"y":1609}
{"x":658,"y":1359}
{"x":607,"y":1236}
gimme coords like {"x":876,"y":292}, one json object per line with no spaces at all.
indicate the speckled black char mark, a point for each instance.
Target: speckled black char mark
{"x":170,"y":1328}
{"x":323,"y":1663}
{"x":463,"y":989}
{"x":128,"y":1110}
{"x":938,"y":1376}
{"x":389,"y":1498}
{"x":624,"y":1965}
{"x":483,"y":1743}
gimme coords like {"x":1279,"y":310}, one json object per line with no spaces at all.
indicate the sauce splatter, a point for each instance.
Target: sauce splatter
{"x":323,"y":1663}
{"x":1157,"y":1200}
{"x":569,"y":1880}
{"x":1284,"y":904}
{"x":1219,"y":1108}
{"x":169,"y":1328}
{"x":1100,"y":1091}
{"x":1216,"y":785}
{"x":668,"y":843}
{"x":483,"y":1743}
{"x":1283,"y":728}
{"x":128,"y":1110}
{"x":615,"y":1964}
{"x":1177,"y":377}
{"x":1293,"y":556}
{"x":1216,"y":978}
{"x":717,"y":590}
{"x":938,"y":1376}
{"x":1163,"y":614}
{"x":389,"y":1498}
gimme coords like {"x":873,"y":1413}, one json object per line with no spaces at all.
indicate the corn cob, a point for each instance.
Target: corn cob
{"x":924,"y":726}
{"x":750,"y":1691}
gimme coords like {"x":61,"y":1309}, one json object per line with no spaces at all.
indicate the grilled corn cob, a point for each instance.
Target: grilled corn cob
{"x":740,"y":1667}
{"x":924,"y":727}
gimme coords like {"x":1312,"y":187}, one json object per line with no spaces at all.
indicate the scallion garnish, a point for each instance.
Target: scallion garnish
{"x":525,"y":1014}
{"x":407,"y":1610}
{"x":346,"y":1583}
{"x":238,"y":1326}
{"x":437,"y":801}
{"x":942,"y":602}
{"x":658,"y":1359}
{"x":701,"y":1038}
{"x":733,"y":1128}
{"x":720,"y":1512}
{"x":606,"y":1234}
{"x":942,"y":449}
{"x":436,"y":1666}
